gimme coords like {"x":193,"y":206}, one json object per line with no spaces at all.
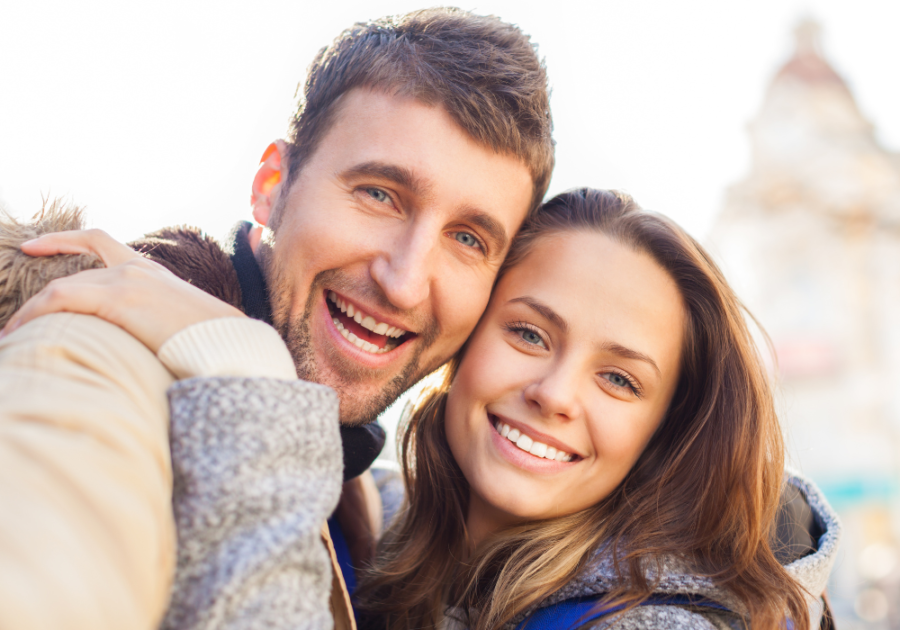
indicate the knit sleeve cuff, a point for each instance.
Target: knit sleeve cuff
{"x":228,"y":346}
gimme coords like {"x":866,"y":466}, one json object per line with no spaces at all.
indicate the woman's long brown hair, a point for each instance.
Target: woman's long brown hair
{"x":705,"y":490}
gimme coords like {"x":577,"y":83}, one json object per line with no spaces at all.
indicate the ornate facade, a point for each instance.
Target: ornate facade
{"x":811,"y":241}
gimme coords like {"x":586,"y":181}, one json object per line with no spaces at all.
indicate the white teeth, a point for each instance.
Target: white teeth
{"x":366,"y":321}
{"x":526,"y":443}
{"x":356,"y":341}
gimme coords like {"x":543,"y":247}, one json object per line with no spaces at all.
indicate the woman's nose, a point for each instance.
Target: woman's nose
{"x":555,"y":394}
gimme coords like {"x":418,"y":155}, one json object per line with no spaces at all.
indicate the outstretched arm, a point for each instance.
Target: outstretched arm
{"x":87,"y":539}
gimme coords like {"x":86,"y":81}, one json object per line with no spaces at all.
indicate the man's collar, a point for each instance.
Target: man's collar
{"x":254,"y":292}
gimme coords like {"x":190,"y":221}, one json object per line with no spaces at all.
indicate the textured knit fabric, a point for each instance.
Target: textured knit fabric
{"x":677,"y":578}
{"x":257,"y":468}
{"x":228,"y":346}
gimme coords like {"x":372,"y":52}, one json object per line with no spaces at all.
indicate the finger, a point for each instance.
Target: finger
{"x":59,"y":296}
{"x":98,"y":242}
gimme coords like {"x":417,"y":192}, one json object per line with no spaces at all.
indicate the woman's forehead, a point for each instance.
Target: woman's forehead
{"x":602,"y":289}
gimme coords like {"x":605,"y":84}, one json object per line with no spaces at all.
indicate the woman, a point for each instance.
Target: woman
{"x":608,"y":433}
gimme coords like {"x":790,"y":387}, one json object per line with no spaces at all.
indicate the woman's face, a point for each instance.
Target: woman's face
{"x":565,"y":379}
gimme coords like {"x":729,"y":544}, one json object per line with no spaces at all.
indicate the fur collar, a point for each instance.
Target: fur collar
{"x":194,"y":257}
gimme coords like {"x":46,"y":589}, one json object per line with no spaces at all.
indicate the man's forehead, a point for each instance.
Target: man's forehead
{"x":417,"y":145}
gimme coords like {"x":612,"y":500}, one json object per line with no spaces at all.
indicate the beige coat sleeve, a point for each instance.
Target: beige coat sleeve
{"x":87,"y":538}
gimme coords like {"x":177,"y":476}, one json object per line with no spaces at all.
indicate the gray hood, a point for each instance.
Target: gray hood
{"x":811,"y":571}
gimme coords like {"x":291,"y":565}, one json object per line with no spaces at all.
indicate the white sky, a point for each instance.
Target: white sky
{"x":157,"y":113}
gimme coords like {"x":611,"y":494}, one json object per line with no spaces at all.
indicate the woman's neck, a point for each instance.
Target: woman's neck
{"x":484,"y":520}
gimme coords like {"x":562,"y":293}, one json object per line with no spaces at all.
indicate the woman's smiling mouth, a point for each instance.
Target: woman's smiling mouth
{"x":529,"y":444}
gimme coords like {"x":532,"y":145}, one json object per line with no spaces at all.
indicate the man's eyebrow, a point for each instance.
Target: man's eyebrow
{"x":545,"y":311}
{"x":404,"y":177}
{"x":400,"y":175}
{"x":628,"y":353}
{"x":495,"y":230}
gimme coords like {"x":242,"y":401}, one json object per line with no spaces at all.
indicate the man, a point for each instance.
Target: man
{"x":419,"y":146}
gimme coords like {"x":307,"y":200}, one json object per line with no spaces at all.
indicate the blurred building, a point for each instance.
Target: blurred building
{"x":810,"y":239}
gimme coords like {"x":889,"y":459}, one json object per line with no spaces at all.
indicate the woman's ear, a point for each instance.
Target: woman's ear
{"x":267,"y":182}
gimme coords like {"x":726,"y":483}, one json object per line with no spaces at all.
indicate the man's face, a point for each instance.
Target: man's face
{"x":387,"y":245}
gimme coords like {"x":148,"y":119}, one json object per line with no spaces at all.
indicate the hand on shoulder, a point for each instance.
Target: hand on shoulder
{"x":136,"y":294}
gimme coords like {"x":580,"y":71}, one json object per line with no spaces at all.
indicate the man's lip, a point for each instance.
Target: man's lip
{"x":345,"y":347}
{"x":535,"y":435}
{"x":369,"y":311}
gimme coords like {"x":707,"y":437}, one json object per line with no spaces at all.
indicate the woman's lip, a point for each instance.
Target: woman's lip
{"x":524,"y":460}
{"x":535,"y":435}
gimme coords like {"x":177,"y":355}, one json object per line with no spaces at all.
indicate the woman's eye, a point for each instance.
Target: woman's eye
{"x":524,"y":331}
{"x":467,"y":239}
{"x":620,"y":381}
{"x":617,"y":379}
{"x":532,"y":337}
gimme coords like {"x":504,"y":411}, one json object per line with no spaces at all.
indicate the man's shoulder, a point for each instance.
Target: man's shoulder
{"x":195,"y":257}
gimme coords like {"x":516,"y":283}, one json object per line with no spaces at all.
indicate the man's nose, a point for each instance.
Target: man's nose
{"x":405,"y":268}
{"x":555,"y":393}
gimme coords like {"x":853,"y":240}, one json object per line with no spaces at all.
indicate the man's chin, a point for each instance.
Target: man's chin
{"x":362,"y":402}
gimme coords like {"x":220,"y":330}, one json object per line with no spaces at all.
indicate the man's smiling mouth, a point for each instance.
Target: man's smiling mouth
{"x":362,"y":329}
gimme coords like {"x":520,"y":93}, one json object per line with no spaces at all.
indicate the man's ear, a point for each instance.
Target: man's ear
{"x":267,"y":183}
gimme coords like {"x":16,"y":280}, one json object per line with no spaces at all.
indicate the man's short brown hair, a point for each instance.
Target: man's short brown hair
{"x":484,"y":72}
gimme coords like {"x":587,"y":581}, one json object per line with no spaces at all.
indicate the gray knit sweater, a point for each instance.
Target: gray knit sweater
{"x":257,"y":466}
{"x":811,"y":571}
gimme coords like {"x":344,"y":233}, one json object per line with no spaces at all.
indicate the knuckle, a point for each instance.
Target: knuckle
{"x":96,"y":233}
{"x":54,"y":290}
{"x":142,"y":267}
{"x":54,"y":285}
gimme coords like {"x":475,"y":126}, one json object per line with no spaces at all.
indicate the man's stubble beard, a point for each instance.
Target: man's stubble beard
{"x":356,"y":407}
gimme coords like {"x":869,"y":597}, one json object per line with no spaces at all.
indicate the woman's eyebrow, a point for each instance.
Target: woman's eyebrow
{"x":608,"y":346}
{"x":628,"y":353}
{"x":545,"y":311}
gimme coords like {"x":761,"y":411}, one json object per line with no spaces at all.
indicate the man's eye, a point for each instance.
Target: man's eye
{"x":467,"y":239}
{"x":378,"y":195}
